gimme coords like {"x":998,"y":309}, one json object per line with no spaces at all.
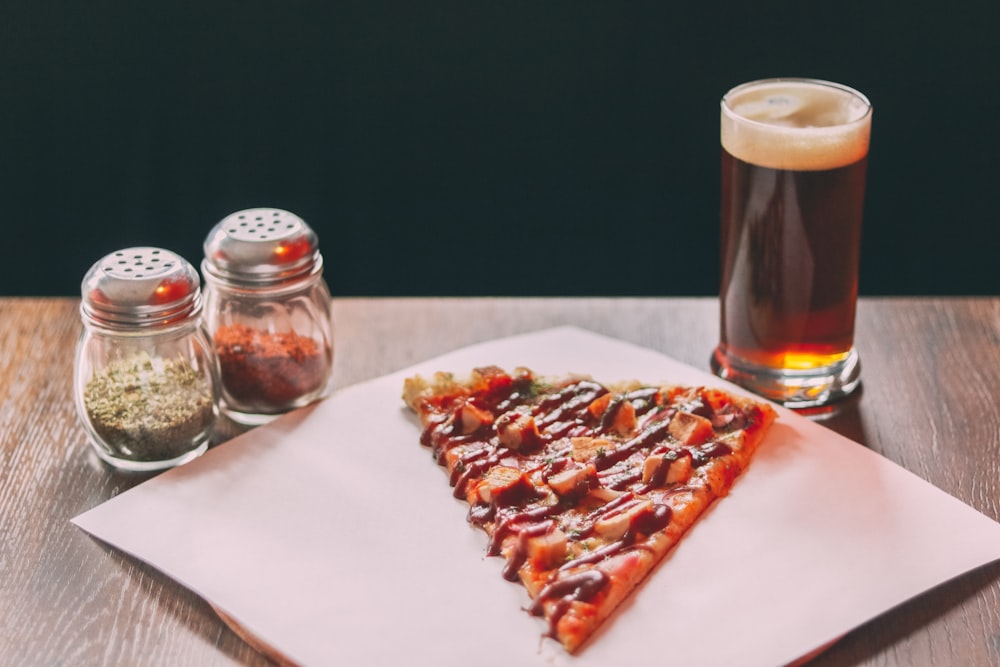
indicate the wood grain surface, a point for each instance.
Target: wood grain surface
{"x":931,"y":374}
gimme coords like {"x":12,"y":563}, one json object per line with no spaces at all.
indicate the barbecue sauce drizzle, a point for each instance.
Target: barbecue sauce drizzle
{"x":558,"y":415}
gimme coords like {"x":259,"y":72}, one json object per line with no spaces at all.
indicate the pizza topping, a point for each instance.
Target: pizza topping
{"x":615,"y":413}
{"x":597,"y":555}
{"x":561,"y":412}
{"x":716,"y":400}
{"x":433,"y":424}
{"x":691,"y":429}
{"x":579,"y":587}
{"x":542,"y":543}
{"x":585,"y":448}
{"x":492,"y":382}
{"x":512,"y":522}
{"x":470,"y":418}
{"x":619,"y":418}
{"x":518,"y":431}
{"x":620,"y":479}
{"x":603,"y":494}
{"x":577,"y":394}
{"x":702,"y":455}
{"x":473,"y":470}
{"x":613,"y":525}
{"x":522,"y":546}
{"x":622,"y":516}
{"x":654,"y":521}
{"x":643,"y":399}
{"x":599,"y":405}
{"x":719,"y":409}
{"x":504,"y":486}
{"x":646,"y":438}
{"x":643,"y":519}
{"x":613,"y":505}
{"x":548,"y":550}
{"x":661,"y":468}
{"x":460,"y":458}
{"x":571,"y":479}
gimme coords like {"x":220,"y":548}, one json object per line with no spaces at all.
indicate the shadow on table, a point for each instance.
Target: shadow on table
{"x":880,"y":634}
{"x":184,"y":606}
{"x":843,"y":417}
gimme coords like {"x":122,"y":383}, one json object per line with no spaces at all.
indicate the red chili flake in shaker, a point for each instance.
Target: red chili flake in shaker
{"x":268,"y":369}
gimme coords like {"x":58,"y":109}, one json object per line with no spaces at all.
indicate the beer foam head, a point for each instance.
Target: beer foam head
{"x":799,"y":124}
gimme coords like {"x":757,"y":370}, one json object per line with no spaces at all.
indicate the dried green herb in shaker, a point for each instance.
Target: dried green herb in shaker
{"x":146,"y":378}
{"x":149,"y":408}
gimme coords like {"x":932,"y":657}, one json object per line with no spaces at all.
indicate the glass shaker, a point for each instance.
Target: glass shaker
{"x":267,"y":309}
{"x":146,"y":376}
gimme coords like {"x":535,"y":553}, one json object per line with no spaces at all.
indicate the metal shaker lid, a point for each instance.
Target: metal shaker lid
{"x":140,"y":286}
{"x":261,"y":246}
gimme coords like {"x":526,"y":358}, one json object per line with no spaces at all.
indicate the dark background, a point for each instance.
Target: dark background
{"x":477,"y":148}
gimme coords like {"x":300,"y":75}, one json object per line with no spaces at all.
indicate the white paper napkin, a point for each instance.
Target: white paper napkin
{"x":332,"y":535}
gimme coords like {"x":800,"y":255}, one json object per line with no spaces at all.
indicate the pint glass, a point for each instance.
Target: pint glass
{"x":794,"y":157}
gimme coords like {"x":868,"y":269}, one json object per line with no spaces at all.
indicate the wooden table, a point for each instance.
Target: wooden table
{"x":929,"y":402}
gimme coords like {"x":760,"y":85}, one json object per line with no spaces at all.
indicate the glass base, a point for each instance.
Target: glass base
{"x":792,"y":388}
{"x":249,"y":418}
{"x":248,"y":415}
{"x":149,"y":466}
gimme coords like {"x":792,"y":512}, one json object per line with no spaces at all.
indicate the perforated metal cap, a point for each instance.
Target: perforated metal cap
{"x":140,"y":286}
{"x":261,"y":246}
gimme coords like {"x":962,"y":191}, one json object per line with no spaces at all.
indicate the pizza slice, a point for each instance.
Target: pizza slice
{"x":583,"y":488}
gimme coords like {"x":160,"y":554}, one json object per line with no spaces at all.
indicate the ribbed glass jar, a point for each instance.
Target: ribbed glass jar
{"x":145,"y":378}
{"x":267,"y":310}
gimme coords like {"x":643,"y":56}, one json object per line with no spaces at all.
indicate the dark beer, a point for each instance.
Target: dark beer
{"x":790,"y":245}
{"x":794,"y":156}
